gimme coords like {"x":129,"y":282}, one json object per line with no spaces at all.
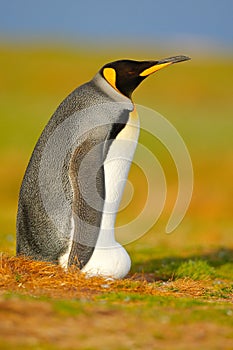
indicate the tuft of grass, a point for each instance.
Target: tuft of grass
{"x":196,"y":270}
{"x":39,"y":279}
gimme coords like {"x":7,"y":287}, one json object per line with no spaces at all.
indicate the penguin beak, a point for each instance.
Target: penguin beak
{"x":157,"y":65}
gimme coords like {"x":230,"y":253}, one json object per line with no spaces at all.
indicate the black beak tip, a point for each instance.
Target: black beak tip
{"x":182,"y":58}
{"x":175,"y":59}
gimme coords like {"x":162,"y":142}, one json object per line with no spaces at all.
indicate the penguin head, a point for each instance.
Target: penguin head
{"x":125,"y":75}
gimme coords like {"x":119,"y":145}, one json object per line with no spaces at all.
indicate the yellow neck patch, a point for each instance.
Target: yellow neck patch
{"x":154,"y":68}
{"x":110,"y":76}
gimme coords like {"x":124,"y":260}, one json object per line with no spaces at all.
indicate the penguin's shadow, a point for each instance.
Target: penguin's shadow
{"x":165,"y":268}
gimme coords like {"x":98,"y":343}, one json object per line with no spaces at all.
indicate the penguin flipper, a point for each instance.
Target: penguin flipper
{"x":86,"y":173}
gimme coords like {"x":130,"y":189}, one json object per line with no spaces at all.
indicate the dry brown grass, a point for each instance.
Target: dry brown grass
{"x":24,"y":276}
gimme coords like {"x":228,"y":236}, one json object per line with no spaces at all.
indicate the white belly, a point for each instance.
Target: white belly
{"x":109,"y":257}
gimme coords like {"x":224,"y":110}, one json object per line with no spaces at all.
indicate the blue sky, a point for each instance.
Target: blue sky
{"x":122,"y":20}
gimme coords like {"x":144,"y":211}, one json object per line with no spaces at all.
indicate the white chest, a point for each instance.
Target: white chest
{"x":109,"y":257}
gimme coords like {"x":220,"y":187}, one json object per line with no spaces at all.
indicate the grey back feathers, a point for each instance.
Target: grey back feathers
{"x":66,"y":169}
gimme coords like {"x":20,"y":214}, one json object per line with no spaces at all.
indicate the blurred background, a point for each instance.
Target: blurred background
{"x":48,"y":48}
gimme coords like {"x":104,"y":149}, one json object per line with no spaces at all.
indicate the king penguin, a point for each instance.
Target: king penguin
{"x":76,"y":175}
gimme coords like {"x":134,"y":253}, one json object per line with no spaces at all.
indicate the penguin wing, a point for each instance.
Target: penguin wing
{"x":86,"y":176}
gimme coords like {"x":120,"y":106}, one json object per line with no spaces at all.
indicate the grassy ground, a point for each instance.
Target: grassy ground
{"x":179,"y":292}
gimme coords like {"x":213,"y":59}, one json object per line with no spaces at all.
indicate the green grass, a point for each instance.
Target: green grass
{"x":197,"y":270}
{"x":163,"y":319}
{"x":146,"y":305}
